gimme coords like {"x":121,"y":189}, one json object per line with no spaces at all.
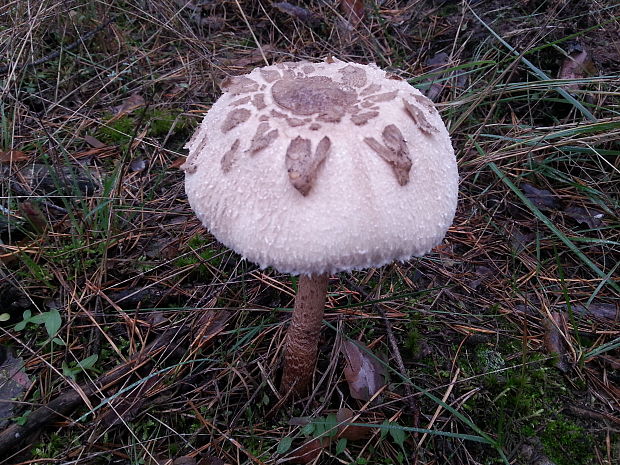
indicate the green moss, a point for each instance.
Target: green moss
{"x":49,"y":448}
{"x":199,"y":254}
{"x":164,"y":122}
{"x":116,"y":131}
{"x":489,"y":359}
{"x":160,"y":124}
{"x":566,"y":443}
{"x":414,"y":336}
{"x":514,"y":403}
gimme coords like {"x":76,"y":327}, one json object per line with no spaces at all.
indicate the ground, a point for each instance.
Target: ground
{"x":155,"y":344}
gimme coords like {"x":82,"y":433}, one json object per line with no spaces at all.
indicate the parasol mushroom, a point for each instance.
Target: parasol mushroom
{"x":317,"y":168}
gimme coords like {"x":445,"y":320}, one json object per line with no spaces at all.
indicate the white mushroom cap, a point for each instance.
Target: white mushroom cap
{"x":322,"y":167}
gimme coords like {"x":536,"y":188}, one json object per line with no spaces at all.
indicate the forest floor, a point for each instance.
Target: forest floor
{"x":129,"y":335}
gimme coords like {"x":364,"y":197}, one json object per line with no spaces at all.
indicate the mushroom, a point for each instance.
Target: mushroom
{"x":317,"y":168}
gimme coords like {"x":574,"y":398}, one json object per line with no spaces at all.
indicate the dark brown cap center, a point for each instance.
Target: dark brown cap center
{"x":312,"y":95}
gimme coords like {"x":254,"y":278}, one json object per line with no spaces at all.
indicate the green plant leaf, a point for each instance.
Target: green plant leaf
{"x":341,"y":445}
{"x":284,"y":445}
{"x":53,"y":322}
{"x":68,"y":371}
{"x":398,"y":435}
{"x":72,"y":370}
{"x":384,"y":431}
{"x":308,"y":429}
{"x":26,"y":318}
{"x":88,"y":362}
{"x":331,"y":425}
{"x":319,"y":427}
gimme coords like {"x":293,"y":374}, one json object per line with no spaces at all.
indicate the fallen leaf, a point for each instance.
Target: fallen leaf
{"x":299,"y":421}
{"x":309,"y":451}
{"x":554,"y":341}
{"x":591,"y":218}
{"x":298,"y":12}
{"x":13,"y":382}
{"x":440,"y":60}
{"x":133,"y":297}
{"x":93,"y":142}
{"x":31,"y":212}
{"x":131,"y":103}
{"x":542,"y":198}
{"x":353,"y":11}
{"x":576,"y":65}
{"x":212,"y":22}
{"x":102,"y":152}
{"x":352,"y":433}
{"x":12,"y":156}
{"x":184,"y":460}
{"x":255,"y":56}
{"x":163,"y":248}
{"x":363,"y":372}
{"x":532,"y":452}
{"x":211,"y":460}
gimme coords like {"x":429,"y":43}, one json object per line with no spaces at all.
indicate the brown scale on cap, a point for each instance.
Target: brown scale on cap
{"x":239,"y":85}
{"x":363,"y":118}
{"x":385,"y":97}
{"x":235,"y":118}
{"x":371,"y":89}
{"x":425,"y":102}
{"x":295,"y":122}
{"x":353,"y":76}
{"x":311,"y":95}
{"x":241,"y":101}
{"x":229,"y":157}
{"x":395,"y":152}
{"x":420,"y":118}
{"x":269,"y":75}
{"x":262,"y":138}
{"x":303,"y":100}
{"x":259,"y":101}
{"x":302,"y":165}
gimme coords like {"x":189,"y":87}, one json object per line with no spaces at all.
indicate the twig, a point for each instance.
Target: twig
{"x":6,"y":68}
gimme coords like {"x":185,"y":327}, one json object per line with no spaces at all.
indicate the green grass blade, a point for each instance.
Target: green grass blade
{"x":560,"y":235}
{"x":537,"y":71}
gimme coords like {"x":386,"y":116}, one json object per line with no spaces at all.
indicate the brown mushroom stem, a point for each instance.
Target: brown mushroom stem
{"x":303,"y":334}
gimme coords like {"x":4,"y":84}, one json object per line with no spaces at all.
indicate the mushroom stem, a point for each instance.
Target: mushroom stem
{"x":303,"y":334}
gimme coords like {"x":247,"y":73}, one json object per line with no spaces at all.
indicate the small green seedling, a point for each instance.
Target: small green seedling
{"x":284,"y":445}
{"x":71,"y":370}
{"x":51,"y":320}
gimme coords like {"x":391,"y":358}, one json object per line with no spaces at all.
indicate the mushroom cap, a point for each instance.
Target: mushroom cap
{"x":315,"y":168}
